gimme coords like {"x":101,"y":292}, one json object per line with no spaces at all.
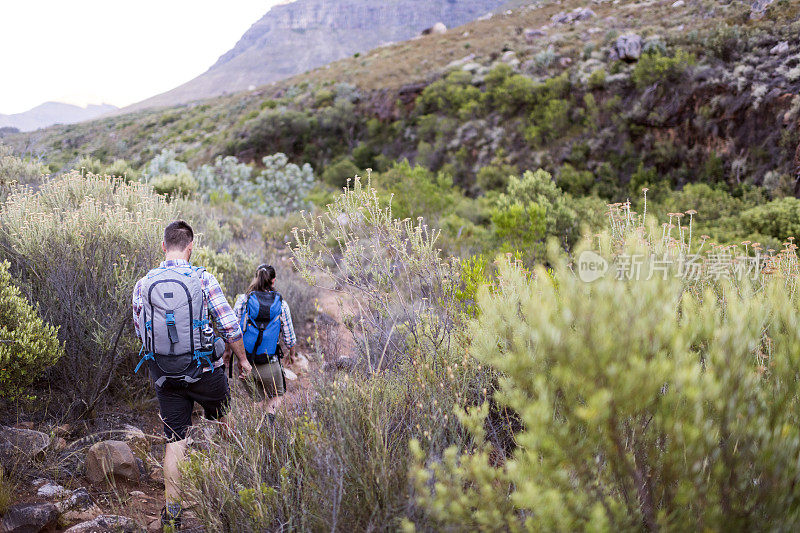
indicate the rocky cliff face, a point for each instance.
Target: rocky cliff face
{"x":305,"y":34}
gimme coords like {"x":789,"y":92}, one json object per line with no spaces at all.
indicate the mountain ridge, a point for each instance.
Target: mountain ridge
{"x":296,"y":37}
{"x":51,"y":113}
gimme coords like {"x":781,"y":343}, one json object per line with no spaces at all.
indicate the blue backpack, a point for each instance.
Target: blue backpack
{"x":261,"y":326}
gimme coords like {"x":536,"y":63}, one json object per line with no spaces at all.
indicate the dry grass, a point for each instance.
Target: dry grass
{"x":7,"y":491}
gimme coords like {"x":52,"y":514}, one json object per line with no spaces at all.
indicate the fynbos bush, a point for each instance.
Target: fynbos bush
{"x":77,"y":246}
{"x":28,"y":345}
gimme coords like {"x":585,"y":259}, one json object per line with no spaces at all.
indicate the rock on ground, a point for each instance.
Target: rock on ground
{"x":29,"y":518}
{"x":301,"y":363}
{"x":758,"y":7}
{"x":48,"y":490}
{"x":25,"y":442}
{"x":531,"y":35}
{"x":576,"y":15}
{"x":780,"y":48}
{"x":107,"y":524}
{"x":137,"y":440}
{"x":628,"y":47}
{"x":78,"y":500}
{"x":111,"y":458}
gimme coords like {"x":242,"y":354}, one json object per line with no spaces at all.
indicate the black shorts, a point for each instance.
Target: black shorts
{"x":176,"y":402}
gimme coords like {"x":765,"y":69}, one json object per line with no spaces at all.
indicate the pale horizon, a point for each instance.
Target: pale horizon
{"x":91,"y":52}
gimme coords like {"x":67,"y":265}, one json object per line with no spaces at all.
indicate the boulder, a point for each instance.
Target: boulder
{"x":48,"y":490}
{"x":137,"y":440}
{"x":81,"y":515}
{"x":26,"y":442}
{"x":301,"y":363}
{"x":678,"y":3}
{"x":439,"y":29}
{"x":78,"y":500}
{"x":471,"y":67}
{"x":111,"y":458}
{"x":458,"y":63}
{"x":780,"y":48}
{"x":531,"y":35}
{"x":628,"y":47}
{"x":576,"y":15}
{"x":107,"y":523}
{"x":758,"y":8}
{"x":29,"y":518}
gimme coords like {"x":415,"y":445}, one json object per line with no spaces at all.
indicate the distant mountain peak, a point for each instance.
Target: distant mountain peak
{"x":49,"y":113}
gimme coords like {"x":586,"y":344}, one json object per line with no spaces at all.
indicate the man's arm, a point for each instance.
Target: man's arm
{"x":227,"y":324}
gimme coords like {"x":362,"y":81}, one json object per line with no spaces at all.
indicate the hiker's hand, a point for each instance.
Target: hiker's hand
{"x":292,"y":353}
{"x":244,"y":369}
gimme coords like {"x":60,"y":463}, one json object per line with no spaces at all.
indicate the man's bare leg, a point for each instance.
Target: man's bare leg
{"x":173,"y":456}
{"x":273,"y":404}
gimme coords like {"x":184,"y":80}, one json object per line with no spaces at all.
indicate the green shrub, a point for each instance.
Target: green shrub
{"x":122,"y":169}
{"x":89,"y":165}
{"x":548,"y":122}
{"x":495,"y":175}
{"x":364,"y":157}
{"x":531,"y":200}
{"x":417,"y":192}
{"x":337,"y":174}
{"x":28,"y":345}
{"x":174,"y":185}
{"x":278,"y":129}
{"x":654,"y":68}
{"x":597,"y":79}
{"x":778,"y":219}
{"x":644,"y":407}
{"x":520,"y":226}
{"x":448,"y":95}
{"x":574,"y":181}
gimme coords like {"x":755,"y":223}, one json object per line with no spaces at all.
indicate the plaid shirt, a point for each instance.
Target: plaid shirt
{"x":218,"y":307}
{"x":287,"y":328}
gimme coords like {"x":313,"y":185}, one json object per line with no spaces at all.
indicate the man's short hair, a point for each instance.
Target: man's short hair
{"x":178,"y":235}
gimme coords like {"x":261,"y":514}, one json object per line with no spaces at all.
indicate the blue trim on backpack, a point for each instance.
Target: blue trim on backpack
{"x":147,"y":357}
{"x":198,"y":355}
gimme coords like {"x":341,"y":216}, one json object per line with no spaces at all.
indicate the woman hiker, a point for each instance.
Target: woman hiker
{"x":264,"y":316}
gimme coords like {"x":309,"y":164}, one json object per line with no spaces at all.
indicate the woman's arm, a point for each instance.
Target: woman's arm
{"x":287,"y":330}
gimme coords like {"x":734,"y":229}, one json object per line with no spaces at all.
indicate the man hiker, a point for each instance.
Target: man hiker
{"x":171,"y":307}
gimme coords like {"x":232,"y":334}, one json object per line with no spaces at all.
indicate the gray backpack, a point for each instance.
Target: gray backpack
{"x":177,"y":338}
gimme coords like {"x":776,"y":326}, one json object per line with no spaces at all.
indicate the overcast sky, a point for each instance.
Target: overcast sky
{"x":117,"y":52}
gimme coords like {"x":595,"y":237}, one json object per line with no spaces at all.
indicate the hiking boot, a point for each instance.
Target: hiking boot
{"x":171,"y":517}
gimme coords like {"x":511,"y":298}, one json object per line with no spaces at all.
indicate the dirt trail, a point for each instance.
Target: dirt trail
{"x":335,"y":305}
